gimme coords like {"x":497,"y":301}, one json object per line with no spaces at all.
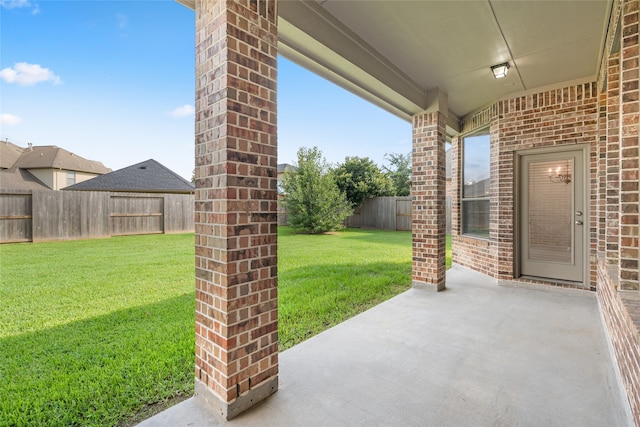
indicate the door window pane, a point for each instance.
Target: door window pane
{"x":550,"y":211}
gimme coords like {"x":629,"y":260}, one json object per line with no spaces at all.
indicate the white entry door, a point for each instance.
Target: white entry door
{"x":552,"y":217}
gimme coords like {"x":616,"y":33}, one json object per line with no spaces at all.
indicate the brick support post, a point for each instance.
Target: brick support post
{"x":235,"y":216}
{"x":629,"y":147}
{"x":428,"y":187}
{"x":613,"y":159}
{"x":602,"y":172}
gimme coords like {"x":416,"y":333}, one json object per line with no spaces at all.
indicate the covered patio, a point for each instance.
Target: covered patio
{"x":477,"y":354}
{"x":540,"y":103}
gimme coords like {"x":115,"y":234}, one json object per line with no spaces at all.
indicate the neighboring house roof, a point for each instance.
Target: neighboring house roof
{"x":286,"y":167}
{"x":147,"y":177}
{"x":20,"y":179}
{"x":9,"y":153}
{"x":282,"y":168}
{"x":52,"y":157}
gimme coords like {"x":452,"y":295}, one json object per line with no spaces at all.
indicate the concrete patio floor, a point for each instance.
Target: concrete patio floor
{"x":477,"y":354}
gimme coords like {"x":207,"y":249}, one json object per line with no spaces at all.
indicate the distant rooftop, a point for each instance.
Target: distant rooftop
{"x":46,"y":157}
{"x":148,"y":177}
{"x":20,"y":179}
{"x":286,"y":167}
{"x":9,"y":154}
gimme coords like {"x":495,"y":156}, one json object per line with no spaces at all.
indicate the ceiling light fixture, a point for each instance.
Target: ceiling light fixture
{"x":560,"y":178}
{"x":500,"y":70}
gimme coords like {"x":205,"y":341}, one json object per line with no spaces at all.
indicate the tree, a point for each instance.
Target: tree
{"x":399,"y":170}
{"x":312,"y":199}
{"x":360,"y":178}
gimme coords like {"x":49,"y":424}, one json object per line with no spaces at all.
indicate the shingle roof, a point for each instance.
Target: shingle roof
{"x":9,"y":153}
{"x":20,"y":179}
{"x":50,"y":156}
{"x":148,"y":177}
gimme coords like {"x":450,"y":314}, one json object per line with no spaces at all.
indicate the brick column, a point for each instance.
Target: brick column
{"x":602,"y":171}
{"x":428,"y":186}
{"x":235,"y":217}
{"x":629,"y":165}
{"x":613,"y":159}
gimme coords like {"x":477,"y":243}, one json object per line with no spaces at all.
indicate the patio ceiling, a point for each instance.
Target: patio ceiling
{"x":395,"y":53}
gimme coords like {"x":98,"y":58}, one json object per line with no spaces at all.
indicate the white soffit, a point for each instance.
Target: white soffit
{"x":452,"y":44}
{"x":394,"y":52}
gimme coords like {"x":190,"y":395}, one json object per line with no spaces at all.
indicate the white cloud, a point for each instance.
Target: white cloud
{"x":9,"y":119}
{"x":26,"y":74}
{"x":16,"y":4}
{"x":184,"y":111}
{"x":123,"y":21}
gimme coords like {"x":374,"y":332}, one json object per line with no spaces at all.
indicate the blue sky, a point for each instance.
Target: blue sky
{"x":114,"y":81}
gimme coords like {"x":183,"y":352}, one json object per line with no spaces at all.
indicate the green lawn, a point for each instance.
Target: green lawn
{"x":91,"y":331}
{"x":96,"y":332}
{"x":325,"y":279}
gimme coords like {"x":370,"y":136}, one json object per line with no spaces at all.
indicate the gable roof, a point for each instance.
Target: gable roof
{"x":50,"y":156}
{"x":147,"y":177}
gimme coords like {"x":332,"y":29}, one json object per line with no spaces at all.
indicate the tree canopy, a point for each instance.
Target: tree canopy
{"x":312,"y":199}
{"x":360,"y":178}
{"x":399,"y":171}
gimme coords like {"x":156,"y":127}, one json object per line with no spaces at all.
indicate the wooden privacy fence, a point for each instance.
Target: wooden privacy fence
{"x":41,"y":215}
{"x":384,"y":213}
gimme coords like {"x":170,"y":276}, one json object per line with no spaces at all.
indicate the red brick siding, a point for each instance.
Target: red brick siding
{"x":617,"y":310}
{"x":602,"y":174}
{"x":557,"y":117}
{"x":613,"y":159}
{"x":629,"y":164}
{"x":236,"y":166}
{"x":618,"y":244}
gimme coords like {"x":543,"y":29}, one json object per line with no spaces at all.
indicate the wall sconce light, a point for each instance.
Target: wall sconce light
{"x":500,"y":70}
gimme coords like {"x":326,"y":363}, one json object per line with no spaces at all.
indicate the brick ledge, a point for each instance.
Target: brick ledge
{"x":630,"y":299}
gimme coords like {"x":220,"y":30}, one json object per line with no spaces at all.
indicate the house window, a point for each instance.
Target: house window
{"x":71,"y":178}
{"x":475,"y":184}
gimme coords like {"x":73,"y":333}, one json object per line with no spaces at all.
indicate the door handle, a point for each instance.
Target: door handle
{"x":578,"y":222}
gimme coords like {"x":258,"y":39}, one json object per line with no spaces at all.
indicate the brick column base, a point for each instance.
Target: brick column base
{"x":243,"y":402}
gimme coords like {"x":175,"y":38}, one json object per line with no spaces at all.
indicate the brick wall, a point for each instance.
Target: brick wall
{"x":613,"y":159}
{"x":602,"y":174}
{"x":558,"y":117}
{"x":618,"y":310}
{"x":618,"y":198}
{"x":629,"y":165}
{"x":236,"y":221}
